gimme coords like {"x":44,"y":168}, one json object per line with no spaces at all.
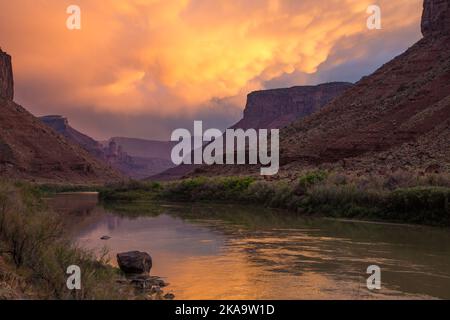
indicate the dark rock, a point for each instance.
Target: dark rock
{"x":6,"y":77}
{"x":276,"y":108}
{"x":134,"y":262}
{"x":105,"y":238}
{"x":146,"y":282}
{"x":169,"y":296}
{"x":434,"y":168}
{"x":436,"y":18}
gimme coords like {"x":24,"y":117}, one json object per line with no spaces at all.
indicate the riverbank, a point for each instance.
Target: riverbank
{"x":209,"y":250}
{"x":35,"y":254}
{"x":403,"y":197}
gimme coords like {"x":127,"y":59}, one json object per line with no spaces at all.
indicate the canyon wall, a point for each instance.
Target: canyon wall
{"x":270,"y":109}
{"x":436,"y":18}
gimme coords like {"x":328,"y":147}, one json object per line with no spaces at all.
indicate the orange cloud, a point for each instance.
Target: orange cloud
{"x":176,"y":56}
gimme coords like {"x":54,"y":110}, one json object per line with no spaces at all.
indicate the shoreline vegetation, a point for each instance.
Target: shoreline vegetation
{"x":35,"y":254}
{"x":401,"y":197}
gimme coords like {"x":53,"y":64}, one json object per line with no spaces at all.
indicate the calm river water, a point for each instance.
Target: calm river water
{"x":239,"y":252}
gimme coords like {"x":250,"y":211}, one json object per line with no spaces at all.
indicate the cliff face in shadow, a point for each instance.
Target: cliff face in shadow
{"x":435,"y":20}
{"x":277,"y":108}
{"x":6,"y":77}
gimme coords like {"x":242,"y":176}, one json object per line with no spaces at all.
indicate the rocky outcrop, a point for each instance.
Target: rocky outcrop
{"x":391,"y":114}
{"x":270,"y":109}
{"x":31,"y":150}
{"x":115,"y":152}
{"x":6,"y":77}
{"x":61,"y":125}
{"x":145,"y":148}
{"x":134,"y":262}
{"x":148,"y":157}
{"x":436,"y":18}
{"x":396,"y":118}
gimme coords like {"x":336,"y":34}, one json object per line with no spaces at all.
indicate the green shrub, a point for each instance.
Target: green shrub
{"x":421,"y":204}
{"x":312,"y":178}
{"x":204,"y":189}
{"x":32,"y":238}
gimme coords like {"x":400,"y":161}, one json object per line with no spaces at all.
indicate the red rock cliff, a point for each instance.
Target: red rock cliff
{"x":436,"y":18}
{"x":269,"y":109}
{"x":6,"y":77}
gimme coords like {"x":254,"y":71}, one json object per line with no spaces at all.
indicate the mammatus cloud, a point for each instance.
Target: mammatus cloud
{"x":169,"y":58}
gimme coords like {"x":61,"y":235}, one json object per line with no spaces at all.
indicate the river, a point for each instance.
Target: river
{"x":220,"y":251}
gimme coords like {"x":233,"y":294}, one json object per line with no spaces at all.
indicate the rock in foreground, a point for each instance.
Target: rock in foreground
{"x":134,"y":262}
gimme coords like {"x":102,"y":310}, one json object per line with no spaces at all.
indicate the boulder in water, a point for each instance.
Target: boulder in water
{"x":135,"y":262}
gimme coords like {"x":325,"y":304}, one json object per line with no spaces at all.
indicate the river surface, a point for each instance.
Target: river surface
{"x":239,"y":252}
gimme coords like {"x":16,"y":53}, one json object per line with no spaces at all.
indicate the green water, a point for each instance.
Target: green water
{"x":238,"y":252}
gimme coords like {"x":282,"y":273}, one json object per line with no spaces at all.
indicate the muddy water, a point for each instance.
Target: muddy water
{"x":239,"y":252}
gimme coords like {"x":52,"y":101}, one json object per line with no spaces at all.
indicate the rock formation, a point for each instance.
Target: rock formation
{"x":61,"y":125}
{"x":31,"y":150}
{"x":135,"y":158}
{"x":270,"y":109}
{"x":6,"y":77}
{"x":139,"y":158}
{"x":436,"y":18}
{"x":397,"y":117}
{"x":134,"y":262}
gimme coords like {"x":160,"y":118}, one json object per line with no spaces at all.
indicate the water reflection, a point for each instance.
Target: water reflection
{"x":235,"y":252}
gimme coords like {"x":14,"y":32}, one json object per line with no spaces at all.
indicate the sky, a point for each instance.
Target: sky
{"x":142,"y":68}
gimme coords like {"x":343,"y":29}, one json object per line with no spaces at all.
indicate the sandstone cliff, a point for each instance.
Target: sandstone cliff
{"x":435,"y":20}
{"x":61,"y":125}
{"x":33,"y":151}
{"x":397,"y":117}
{"x":270,"y":109}
{"x":6,"y":77}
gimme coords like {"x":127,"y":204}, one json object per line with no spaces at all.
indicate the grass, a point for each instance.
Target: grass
{"x":129,"y":191}
{"x":33,"y":245}
{"x":401,"y":197}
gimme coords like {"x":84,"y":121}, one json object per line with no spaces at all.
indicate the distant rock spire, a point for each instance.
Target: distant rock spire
{"x":6,"y":76}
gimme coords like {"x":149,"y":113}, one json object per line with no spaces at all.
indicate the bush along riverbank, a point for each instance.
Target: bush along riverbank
{"x":35,"y":255}
{"x":402,"y":197}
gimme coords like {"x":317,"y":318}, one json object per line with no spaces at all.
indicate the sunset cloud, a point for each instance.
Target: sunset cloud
{"x":172,"y":57}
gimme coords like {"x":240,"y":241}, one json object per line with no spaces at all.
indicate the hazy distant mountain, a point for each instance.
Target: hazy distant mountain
{"x":145,"y":148}
{"x":135,"y":158}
